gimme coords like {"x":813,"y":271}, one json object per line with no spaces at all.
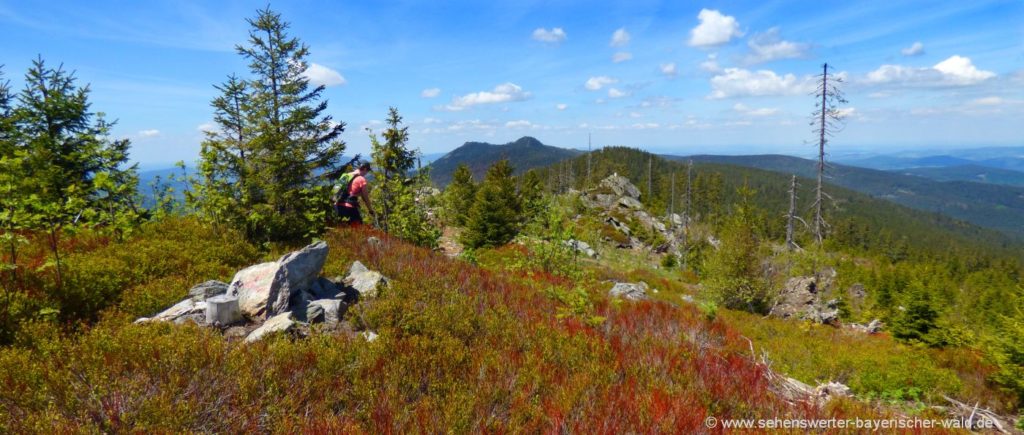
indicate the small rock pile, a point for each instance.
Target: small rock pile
{"x":276,"y":296}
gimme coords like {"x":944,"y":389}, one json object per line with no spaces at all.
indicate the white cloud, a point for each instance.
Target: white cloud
{"x":615,"y":93}
{"x":522,"y":123}
{"x":322,"y":75}
{"x":962,"y":70}
{"x":711,"y":64}
{"x":764,"y":111}
{"x":714,"y":29}
{"x":149,"y":133}
{"x":207,"y":127}
{"x":738,"y":82}
{"x":956,"y":70}
{"x":915,"y":49}
{"x":554,"y":35}
{"x":987,"y":101}
{"x":503,"y":93}
{"x":846,"y":112}
{"x":561,"y":106}
{"x":596,"y":83}
{"x":645,"y":126}
{"x":620,"y":38}
{"x":430,"y":92}
{"x":657,"y":101}
{"x":768,"y":46}
{"x":668,"y":69}
{"x":622,"y":56}
{"x":429,"y":120}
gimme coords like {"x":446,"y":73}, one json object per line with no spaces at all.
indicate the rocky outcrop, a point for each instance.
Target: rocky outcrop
{"x":801,"y":298}
{"x":581,"y":247}
{"x":276,"y":296}
{"x":619,"y":201}
{"x":620,"y":186}
{"x":873,"y":327}
{"x":630,"y":291}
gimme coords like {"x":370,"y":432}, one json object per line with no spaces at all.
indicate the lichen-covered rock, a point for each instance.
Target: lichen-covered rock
{"x":365,"y":281}
{"x":630,"y":203}
{"x":280,"y":323}
{"x":258,"y":290}
{"x":206,"y":290}
{"x":631,"y":291}
{"x":801,"y":299}
{"x":329,"y":311}
{"x":179,"y":312}
{"x":265,"y":290}
{"x":620,"y":186}
{"x":581,"y":247}
{"x":302,"y":267}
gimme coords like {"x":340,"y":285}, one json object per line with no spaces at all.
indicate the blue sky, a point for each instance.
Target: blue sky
{"x":668,"y":76}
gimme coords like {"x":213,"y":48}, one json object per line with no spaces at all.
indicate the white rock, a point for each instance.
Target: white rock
{"x":369,"y":336}
{"x":257,"y":288}
{"x":366,"y":282}
{"x":633,"y":292}
{"x":280,"y":323}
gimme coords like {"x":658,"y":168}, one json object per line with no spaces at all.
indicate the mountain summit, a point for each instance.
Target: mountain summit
{"x":525,"y":153}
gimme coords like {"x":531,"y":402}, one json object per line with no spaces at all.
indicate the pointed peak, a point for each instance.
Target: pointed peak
{"x":528,"y":141}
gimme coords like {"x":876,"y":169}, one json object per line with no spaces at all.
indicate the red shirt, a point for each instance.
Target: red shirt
{"x":355,"y":189}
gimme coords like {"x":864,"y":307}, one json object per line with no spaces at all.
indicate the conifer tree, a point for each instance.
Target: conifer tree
{"x":12,"y":205}
{"x":531,"y":192}
{"x":733,"y":275}
{"x":261,"y":169}
{"x":78,"y":175}
{"x":395,"y":193}
{"x":458,"y":196}
{"x":495,"y":215}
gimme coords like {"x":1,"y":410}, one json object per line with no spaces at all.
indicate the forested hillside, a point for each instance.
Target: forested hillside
{"x":991,"y":206}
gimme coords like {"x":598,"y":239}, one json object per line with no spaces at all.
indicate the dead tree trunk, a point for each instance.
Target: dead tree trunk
{"x":791,"y":217}
{"x":827,"y":119}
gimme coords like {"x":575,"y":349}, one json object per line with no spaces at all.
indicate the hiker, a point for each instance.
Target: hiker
{"x":352,"y":186}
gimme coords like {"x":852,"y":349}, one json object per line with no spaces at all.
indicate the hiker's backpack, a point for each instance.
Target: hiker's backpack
{"x":340,"y":193}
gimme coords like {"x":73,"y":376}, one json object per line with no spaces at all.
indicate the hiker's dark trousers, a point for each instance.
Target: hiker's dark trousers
{"x":349,"y":215}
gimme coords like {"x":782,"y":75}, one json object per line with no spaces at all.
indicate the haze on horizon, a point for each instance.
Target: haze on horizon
{"x":714,"y":78}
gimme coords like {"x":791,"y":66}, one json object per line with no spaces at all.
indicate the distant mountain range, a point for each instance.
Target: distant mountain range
{"x":970,"y":172}
{"x":525,"y":153}
{"x":988,"y":205}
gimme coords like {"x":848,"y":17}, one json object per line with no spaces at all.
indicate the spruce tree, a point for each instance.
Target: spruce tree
{"x":77,"y":174}
{"x":395,"y":193}
{"x":531,"y":192}
{"x":458,"y":196}
{"x":733,"y":276}
{"x":495,"y":215}
{"x":261,"y":170}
